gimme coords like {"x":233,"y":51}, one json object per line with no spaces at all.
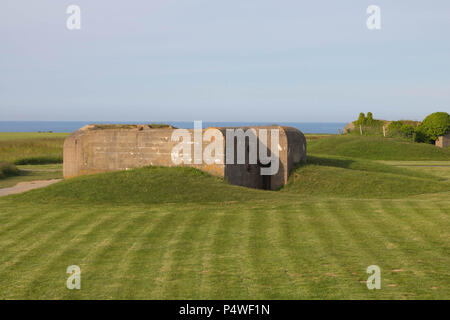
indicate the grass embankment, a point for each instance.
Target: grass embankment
{"x":376,"y":148}
{"x":155,"y":233}
{"x":353,"y":178}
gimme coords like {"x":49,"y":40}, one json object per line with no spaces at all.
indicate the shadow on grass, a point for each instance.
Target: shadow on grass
{"x":330,"y":162}
{"x":39,"y":160}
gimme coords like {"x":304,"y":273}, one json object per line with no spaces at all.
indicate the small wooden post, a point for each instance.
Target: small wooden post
{"x":384,"y":131}
{"x":360,"y":129}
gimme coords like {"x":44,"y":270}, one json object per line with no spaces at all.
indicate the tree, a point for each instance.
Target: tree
{"x":369,"y":119}
{"x":361,"y":119}
{"x":433,"y":126}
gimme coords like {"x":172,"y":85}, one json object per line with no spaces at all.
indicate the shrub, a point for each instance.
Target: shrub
{"x":401,"y":129}
{"x":421,"y":136}
{"x":39,"y":160}
{"x":7,"y":170}
{"x":395,"y":125}
{"x":361,"y":119}
{"x":433,"y":126}
{"x":407,"y":130}
{"x":369,"y":120}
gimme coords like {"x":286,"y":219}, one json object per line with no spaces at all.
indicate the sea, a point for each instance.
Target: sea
{"x":71,"y":126}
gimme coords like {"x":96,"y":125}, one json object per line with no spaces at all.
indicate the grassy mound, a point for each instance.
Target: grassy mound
{"x":376,"y":148}
{"x":321,"y":177}
{"x":148,"y":185}
{"x":343,"y":177}
{"x":8,"y":170}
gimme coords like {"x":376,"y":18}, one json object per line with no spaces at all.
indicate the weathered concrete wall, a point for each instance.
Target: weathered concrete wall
{"x":443,"y":141}
{"x":92,"y":150}
{"x":249,"y":175}
{"x":296,"y":143}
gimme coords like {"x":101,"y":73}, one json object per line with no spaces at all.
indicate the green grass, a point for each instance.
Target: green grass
{"x":439,"y":169}
{"x":277,"y":248}
{"x":178,"y":233}
{"x":340,"y":177}
{"x":10,"y":136}
{"x":149,"y":185}
{"x":31,"y":148}
{"x":376,"y":148}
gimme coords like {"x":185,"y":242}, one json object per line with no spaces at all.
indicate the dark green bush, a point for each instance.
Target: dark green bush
{"x":421,"y":136}
{"x":39,"y":160}
{"x":407,"y":130}
{"x":8,"y":170}
{"x":433,"y":126}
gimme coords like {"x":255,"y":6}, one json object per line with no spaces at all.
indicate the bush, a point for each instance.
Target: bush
{"x":401,"y":129}
{"x":39,"y":160}
{"x":407,"y":130}
{"x":395,"y":125}
{"x":421,"y":136}
{"x":7,"y":170}
{"x":433,"y":126}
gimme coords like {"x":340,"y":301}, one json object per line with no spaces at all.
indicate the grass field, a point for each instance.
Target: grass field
{"x":377,"y":148}
{"x":168,"y":233}
{"x":31,"y":148}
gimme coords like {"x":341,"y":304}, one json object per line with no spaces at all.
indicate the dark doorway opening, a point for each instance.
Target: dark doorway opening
{"x":266,"y":183}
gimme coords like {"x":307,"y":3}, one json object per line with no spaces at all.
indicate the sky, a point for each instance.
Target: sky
{"x":216,"y":60}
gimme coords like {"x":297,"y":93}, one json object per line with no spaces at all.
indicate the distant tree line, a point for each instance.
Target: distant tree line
{"x":427,"y":131}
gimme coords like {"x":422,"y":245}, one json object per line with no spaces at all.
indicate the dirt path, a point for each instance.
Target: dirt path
{"x":25,"y":186}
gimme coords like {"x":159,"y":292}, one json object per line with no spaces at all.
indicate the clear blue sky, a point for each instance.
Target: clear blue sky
{"x":217,"y":60}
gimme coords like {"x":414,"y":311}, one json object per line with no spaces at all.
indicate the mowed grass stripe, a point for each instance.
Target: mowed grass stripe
{"x":299,"y":244}
{"x":129,"y":248}
{"x":402,"y":265}
{"x":184,"y":271}
{"x":136,"y":265}
{"x":430,"y":218}
{"x":43,"y":235}
{"x":49,"y":278}
{"x":150,"y":260}
{"x":168,"y":257}
{"x":355,"y":248}
{"x":331,"y":269}
{"x":295,"y":244}
{"x":200,"y":287}
{"x":10,"y":219}
{"x":175,"y":264}
{"x":23,"y":231}
{"x":240,"y":247}
{"x":29,"y":258}
{"x":416,"y":230}
{"x":371,"y":228}
{"x":266,"y":263}
{"x":220,"y":274}
{"x":101,"y":261}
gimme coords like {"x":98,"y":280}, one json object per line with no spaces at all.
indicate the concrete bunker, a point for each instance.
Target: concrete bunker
{"x":103,"y":148}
